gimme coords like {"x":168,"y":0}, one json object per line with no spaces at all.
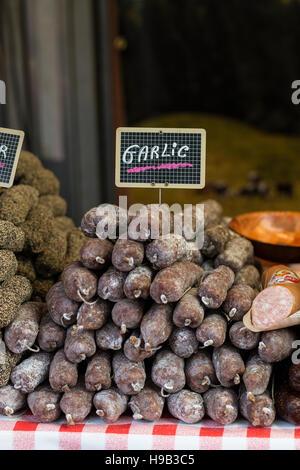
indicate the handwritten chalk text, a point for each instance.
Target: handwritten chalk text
{"x":163,"y":166}
{"x":145,"y":152}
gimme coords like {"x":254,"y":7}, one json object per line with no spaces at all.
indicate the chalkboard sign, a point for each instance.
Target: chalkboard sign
{"x":160,"y":157}
{"x":10,"y":147}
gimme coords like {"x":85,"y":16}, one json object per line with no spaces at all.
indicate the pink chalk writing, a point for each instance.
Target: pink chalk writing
{"x":163,"y":166}
{"x":2,"y":165}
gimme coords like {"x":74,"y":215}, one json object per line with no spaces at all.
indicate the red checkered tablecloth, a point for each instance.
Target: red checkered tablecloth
{"x":25,"y":433}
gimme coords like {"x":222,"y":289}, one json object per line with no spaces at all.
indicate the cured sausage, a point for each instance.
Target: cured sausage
{"x":187,"y":406}
{"x":221,"y":405}
{"x":63,"y":310}
{"x":168,"y":372}
{"x":44,"y":404}
{"x":76,"y":404}
{"x":96,"y":254}
{"x":287,"y":403}
{"x":275,"y":346}
{"x":238,"y":301}
{"x":93,"y":316}
{"x":156,"y":326}
{"x":11,"y":400}
{"x":215,"y":239}
{"x":147,"y":404}
{"x":127,"y":255}
{"x":238,"y":252}
{"x":166,"y":250}
{"x":79,"y":283}
{"x":200,"y":372}
{"x":63,"y":374}
{"x":213,"y":289}
{"x":228,"y":364}
{"x":138,"y":282}
{"x":98,"y":372}
{"x":109,"y":337}
{"x":22,"y":332}
{"x":257,"y":376}
{"x":51,"y":336}
{"x":249,"y":275}
{"x":79,"y":345}
{"x":129,"y":376}
{"x":260,"y":412}
{"x":294,"y":377}
{"x":31,"y":372}
{"x":134,"y":348}
{"x":127,"y":313}
{"x":242,"y":338}
{"x":189,"y":311}
{"x":110,"y":404}
{"x":212,"y":331}
{"x":110,"y":286}
{"x":183,"y":342}
{"x":279,"y":299}
{"x":171,"y":283}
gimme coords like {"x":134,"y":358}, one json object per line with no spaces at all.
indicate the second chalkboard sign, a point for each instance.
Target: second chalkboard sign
{"x":160,"y":157}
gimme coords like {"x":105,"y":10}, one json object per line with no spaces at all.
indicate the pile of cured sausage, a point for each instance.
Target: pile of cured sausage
{"x":142,"y":325}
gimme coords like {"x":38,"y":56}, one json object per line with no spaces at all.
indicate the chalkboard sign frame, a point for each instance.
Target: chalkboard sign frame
{"x":165,"y":185}
{"x":21,"y":135}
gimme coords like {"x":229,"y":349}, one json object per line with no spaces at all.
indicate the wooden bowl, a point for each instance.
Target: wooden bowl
{"x":275,"y":235}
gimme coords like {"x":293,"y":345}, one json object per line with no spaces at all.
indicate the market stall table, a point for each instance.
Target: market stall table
{"x":25,"y":433}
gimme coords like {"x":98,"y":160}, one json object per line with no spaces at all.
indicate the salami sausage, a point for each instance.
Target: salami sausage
{"x":110,"y":404}
{"x":94,"y":315}
{"x":127,"y":255}
{"x":22,"y":332}
{"x":127,"y":313}
{"x":249,"y":275}
{"x":109,"y":337}
{"x":238,"y":252}
{"x":221,"y":405}
{"x":147,"y":404}
{"x":31,"y":372}
{"x":187,"y":406}
{"x":63,"y":310}
{"x":238,"y":301}
{"x":79,"y":283}
{"x":153,"y":220}
{"x":63,"y":374}
{"x":11,"y":400}
{"x":215,"y":239}
{"x":51,"y":336}
{"x":200,"y":372}
{"x":129,"y":376}
{"x":213,"y":289}
{"x":96,"y":254}
{"x":242,"y":338}
{"x":110,"y":286}
{"x":168,"y":372}
{"x":183,"y":342}
{"x":98,"y":372}
{"x":257,"y":376}
{"x":212,"y":331}
{"x":44,"y":404}
{"x":156,"y":326}
{"x":279,"y":299}
{"x":287,"y":404}
{"x":138,"y":282}
{"x":260,"y":412}
{"x":294,"y":377}
{"x":76,"y":404}
{"x":228,"y":364}
{"x":171,"y":283}
{"x":79,"y":345}
{"x":275,"y":346}
{"x":189,"y":311}
{"x":134,"y":348}
{"x":166,"y":250}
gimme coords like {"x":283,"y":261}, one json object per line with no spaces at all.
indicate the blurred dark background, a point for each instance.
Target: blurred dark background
{"x":75,"y":70}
